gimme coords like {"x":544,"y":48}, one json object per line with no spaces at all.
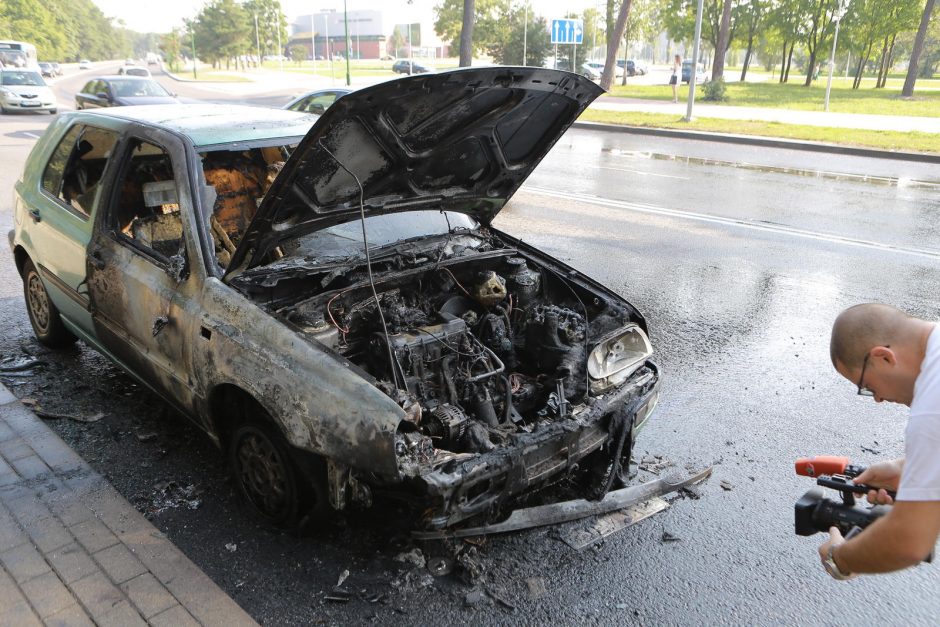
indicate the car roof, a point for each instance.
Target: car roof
{"x":210,"y":124}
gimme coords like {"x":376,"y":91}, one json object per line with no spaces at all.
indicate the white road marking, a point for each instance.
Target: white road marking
{"x":733,"y":222}
{"x":665,"y":176}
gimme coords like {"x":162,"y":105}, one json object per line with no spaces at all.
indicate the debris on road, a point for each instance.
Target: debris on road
{"x":231,"y":546}
{"x":609,"y":524}
{"x":536,"y":586}
{"x":167,"y":495}
{"x":440,"y":566}
{"x":727,"y":486}
{"x":474,"y":597}
{"x":146,"y":437}
{"x":556,"y":513}
{"x":343,"y":576}
{"x":414,"y":556}
{"x":668,"y":537}
{"x":19,"y":366}
{"x":48,"y":415}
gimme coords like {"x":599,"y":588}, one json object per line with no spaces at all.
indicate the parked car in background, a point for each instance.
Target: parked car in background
{"x":57,"y":69}
{"x":227,"y":271}
{"x":134,"y":71}
{"x":84,"y":64}
{"x":632,"y":67}
{"x":404,"y":66}
{"x":25,"y":90}
{"x":46,"y":69}
{"x":120,"y":91}
{"x":618,"y":71}
{"x":590,"y":72}
{"x":316,"y":101}
{"x":700,"y":75}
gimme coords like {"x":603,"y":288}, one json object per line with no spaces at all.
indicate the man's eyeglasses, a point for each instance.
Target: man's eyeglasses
{"x":862,"y":389}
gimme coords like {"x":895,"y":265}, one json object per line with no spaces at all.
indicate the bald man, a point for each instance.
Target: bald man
{"x":892,"y":357}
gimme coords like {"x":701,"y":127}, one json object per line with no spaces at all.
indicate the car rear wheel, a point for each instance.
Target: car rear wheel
{"x":269,"y":478}
{"x":43,"y":315}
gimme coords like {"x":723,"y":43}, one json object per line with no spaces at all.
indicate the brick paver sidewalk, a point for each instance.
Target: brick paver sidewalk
{"x":74,"y":552}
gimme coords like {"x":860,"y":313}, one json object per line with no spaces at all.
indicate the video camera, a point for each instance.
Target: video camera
{"x":813,"y":512}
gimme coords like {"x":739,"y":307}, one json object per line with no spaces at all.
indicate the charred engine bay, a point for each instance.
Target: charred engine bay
{"x":476,"y":342}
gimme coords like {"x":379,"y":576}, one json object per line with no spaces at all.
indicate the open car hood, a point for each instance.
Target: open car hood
{"x":457,"y":141}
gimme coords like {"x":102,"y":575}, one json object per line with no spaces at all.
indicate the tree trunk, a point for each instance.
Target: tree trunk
{"x":626,"y":47}
{"x":724,"y":31}
{"x":863,"y":62}
{"x":613,"y":42}
{"x":786,"y":77}
{"x":912,"y":67}
{"x":466,"y":34}
{"x":890,"y":60}
{"x":882,"y":65}
{"x":858,"y":72}
{"x":812,"y":69}
{"x":747,"y":58}
{"x":783,"y":61}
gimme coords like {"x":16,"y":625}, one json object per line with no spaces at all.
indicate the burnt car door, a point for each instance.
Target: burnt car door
{"x":141,"y":287}
{"x":62,"y":214}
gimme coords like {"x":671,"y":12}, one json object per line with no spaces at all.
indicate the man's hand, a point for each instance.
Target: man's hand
{"x":883,"y":475}
{"x":835,"y":539}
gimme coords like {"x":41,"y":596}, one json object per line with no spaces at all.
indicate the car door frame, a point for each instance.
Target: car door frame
{"x":130,"y":287}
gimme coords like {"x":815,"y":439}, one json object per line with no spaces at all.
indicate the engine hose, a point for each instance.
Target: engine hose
{"x":508,"y":413}
{"x":619,"y":429}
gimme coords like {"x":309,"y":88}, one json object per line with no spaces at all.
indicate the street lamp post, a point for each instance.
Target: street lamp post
{"x":840,"y":13}
{"x":694,"y":69}
{"x":346,"y":28}
{"x":192,"y":33}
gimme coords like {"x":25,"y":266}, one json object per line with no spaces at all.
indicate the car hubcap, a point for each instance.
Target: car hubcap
{"x":38,"y":301}
{"x":263,"y":475}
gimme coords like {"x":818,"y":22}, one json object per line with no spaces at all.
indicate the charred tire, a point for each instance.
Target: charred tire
{"x":43,"y":314}
{"x":269,"y":479}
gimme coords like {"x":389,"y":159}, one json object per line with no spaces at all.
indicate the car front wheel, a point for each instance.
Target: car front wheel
{"x":270,"y":481}
{"x":43,"y":315}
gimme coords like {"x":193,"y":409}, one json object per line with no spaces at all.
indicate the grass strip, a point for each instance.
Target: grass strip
{"x":883,"y":140}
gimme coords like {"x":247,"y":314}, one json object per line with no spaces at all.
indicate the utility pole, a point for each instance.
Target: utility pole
{"x":694,"y":69}
{"x":313,"y":43}
{"x":192,"y":33}
{"x":840,"y":12}
{"x":525,"y":31}
{"x":257,"y":40}
{"x":280,"y":50}
{"x":348,"y":42}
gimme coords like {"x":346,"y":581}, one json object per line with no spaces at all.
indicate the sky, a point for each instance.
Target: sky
{"x":162,"y":16}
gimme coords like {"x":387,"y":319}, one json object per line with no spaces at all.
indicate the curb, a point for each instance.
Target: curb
{"x":755,"y":140}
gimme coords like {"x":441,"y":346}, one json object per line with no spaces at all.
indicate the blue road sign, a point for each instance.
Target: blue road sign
{"x":567,"y":31}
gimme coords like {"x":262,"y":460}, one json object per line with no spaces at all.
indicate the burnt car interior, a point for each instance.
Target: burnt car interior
{"x":240,"y":179}
{"x":88,"y":149}
{"x":148,"y":210}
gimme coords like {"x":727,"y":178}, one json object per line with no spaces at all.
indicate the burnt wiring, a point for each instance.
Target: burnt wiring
{"x":365,"y":245}
{"x":587,"y":325}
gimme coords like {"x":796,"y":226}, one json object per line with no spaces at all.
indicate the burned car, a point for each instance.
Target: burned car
{"x":326,"y":297}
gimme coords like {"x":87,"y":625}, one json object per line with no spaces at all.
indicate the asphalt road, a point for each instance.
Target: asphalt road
{"x":739,"y":270}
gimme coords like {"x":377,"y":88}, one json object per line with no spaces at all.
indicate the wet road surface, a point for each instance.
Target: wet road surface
{"x":739,"y":272}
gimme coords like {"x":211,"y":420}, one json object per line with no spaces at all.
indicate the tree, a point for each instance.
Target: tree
{"x":724,"y":40}
{"x":754,"y":17}
{"x":820,"y":17}
{"x":610,"y":61}
{"x":171,"y":45}
{"x":466,"y":34}
{"x":223,"y":31}
{"x":297,"y":52}
{"x":269,"y":18}
{"x":911,"y":78}
{"x":679,"y":20}
{"x":538,"y":44}
{"x":487,"y":16}
{"x":396,"y":41}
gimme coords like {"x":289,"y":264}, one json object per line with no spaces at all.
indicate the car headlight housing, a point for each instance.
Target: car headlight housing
{"x":618,"y":356}
{"x":7,"y":93}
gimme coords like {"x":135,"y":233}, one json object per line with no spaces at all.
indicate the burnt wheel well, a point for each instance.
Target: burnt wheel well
{"x":19,"y":257}
{"x":229,"y":406}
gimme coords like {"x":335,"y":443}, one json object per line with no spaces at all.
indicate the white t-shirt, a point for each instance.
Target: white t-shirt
{"x":920,"y":480}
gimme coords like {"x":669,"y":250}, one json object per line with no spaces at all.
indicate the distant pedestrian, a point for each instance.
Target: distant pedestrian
{"x":674,"y":79}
